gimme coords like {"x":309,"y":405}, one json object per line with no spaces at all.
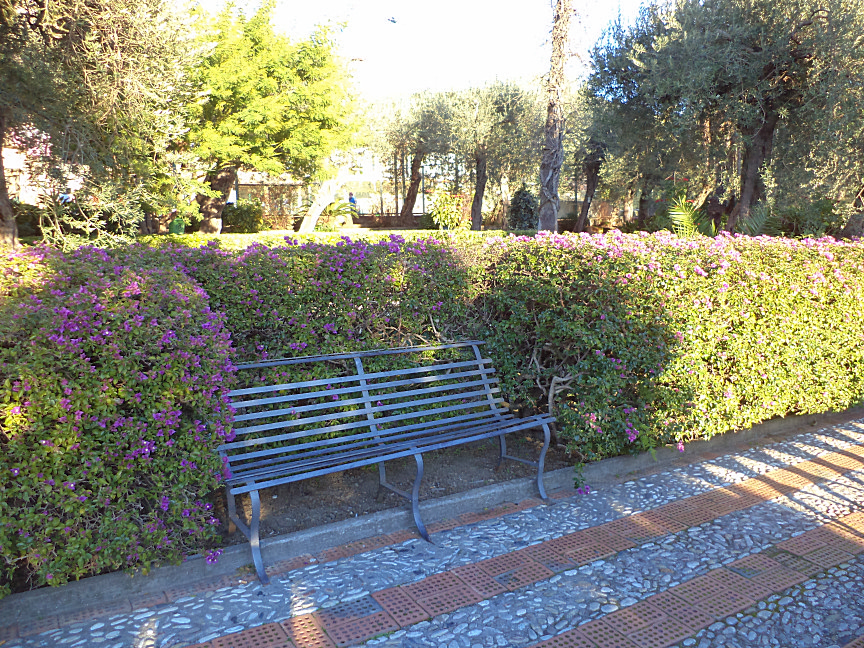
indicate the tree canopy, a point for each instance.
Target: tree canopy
{"x":264,"y":103}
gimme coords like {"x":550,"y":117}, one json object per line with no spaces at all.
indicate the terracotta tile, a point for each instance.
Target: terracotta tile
{"x":660,"y":634}
{"x":562,"y":494}
{"x":8,"y":632}
{"x":682,"y":612}
{"x":305,"y":632}
{"x":266,"y":636}
{"x":37,"y":626}
{"x":725,"y":603}
{"x":478,"y":579}
{"x":662,"y":521}
{"x":471,"y":518}
{"x":604,"y":636}
{"x":588,"y":553}
{"x":794,"y":562}
{"x":858,"y":642}
{"x":531,"y":502}
{"x":753,"y":565}
{"x":827,"y":557}
{"x":335,"y":553}
{"x":401,"y":607}
{"x":284,"y":566}
{"x":844,"y":538}
{"x":348,"y":612}
{"x":635,"y":617}
{"x":503,"y":563}
{"x":449,"y":600}
{"x":147,"y":600}
{"x":602,"y":535}
{"x":688,"y":513}
{"x":738,"y":583}
{"x":432,"y":585}
{"x":780,"y":579}
{"x":359,"y":630}
{"x":367,"y":544}
{"x":398,"y":537}
{"x":443,"y":525}
{"x":569,"y":639}
{"x":544,"y":555}
{"x":527,"y":574}
{"x":803,"y":544}
{"x":568,"y":542}
{"x":698,"y":589}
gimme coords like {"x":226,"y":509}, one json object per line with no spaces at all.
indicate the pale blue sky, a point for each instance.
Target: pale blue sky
{"x":445,"y":44}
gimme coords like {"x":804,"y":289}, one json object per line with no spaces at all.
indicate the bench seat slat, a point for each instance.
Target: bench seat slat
{"x":322,"y":382}
{"x":360,"y":401}
{"x":265,"y":481}
{"x":338,"y":444}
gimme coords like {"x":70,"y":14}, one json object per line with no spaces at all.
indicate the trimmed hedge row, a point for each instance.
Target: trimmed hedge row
{"x":635,"y":340}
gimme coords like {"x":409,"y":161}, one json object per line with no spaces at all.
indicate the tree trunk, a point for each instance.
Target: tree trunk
{"x":406,"y":216}
{"x":505,"y":199}
{"x":628,"y":204}
{"x":758,"y":151}
{"x":211,"y":208}
{"x":592,"y":178}
{"x":479,"y":190}
{"x":644,"y":197}
{"x":326,"y":194}
{"x":553,"y":147}
{"x":8,"y":226}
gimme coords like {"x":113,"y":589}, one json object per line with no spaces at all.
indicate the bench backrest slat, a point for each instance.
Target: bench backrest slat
{"x":341,"y":427}
{"x":365,"y":400}
{"x":322,"y":382}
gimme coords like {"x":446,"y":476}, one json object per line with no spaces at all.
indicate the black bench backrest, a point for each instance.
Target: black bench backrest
{"x":307,"y":421}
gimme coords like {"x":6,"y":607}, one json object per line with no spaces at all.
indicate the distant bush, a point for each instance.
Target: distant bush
{"x":112,"y":380}
{"x":523,"y":210}
{"x":243,"y":217}
{"x":448,"y":212}
{"x":27,"y":218}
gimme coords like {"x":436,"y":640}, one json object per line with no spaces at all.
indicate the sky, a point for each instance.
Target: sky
{"x":395,"y":48}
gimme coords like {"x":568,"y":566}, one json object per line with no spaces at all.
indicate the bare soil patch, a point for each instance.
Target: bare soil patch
{"x":351,"y":493}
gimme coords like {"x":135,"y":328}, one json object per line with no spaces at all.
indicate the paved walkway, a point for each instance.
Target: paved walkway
{"x":763,"y":547}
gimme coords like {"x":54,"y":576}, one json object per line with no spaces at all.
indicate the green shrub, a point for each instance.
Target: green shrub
{"x":448,"y":212}
{"x":523,"y":210}
{"x":655,"y":339}
{"x":27,"y":218}
{"x":112,"y":380}
{"x":244,"y":217}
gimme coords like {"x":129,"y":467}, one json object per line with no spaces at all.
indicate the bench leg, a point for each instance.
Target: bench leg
{"x":546,"y":437}
{"x":415,"y":498}
{"x":254,"y":539}
{"x":503,"y":443}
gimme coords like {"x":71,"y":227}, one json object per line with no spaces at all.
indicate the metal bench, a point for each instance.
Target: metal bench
{"x":347,"y":415}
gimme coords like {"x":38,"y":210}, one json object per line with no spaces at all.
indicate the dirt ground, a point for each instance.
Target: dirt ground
{"x":343,"y":495}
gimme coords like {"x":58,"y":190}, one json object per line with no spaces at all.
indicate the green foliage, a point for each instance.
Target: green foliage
{"x":244,"y":217}
{"x":812,"y":218}
{"x":112,"y":379}
{"x":448,"y":212}
{"x":633,"y":341}
{"x":28,"y":218}
{"x":523,"y":210}
{"x":335,"y":215}
{"x":647,"y":340}
{"x":267,"y":103}
{"x":687,"y":220}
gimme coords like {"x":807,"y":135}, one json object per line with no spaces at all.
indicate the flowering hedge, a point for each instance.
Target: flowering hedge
{"x":650,"y":339}
{"x":112,"y":383}
{"x":114,"y":365}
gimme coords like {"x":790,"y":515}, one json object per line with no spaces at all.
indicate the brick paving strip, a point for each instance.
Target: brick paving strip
{"x":659,"y":621}
{"x":398,"y":607}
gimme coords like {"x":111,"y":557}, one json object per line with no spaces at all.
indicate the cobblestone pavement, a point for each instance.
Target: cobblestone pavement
{"x":763,"y":547}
